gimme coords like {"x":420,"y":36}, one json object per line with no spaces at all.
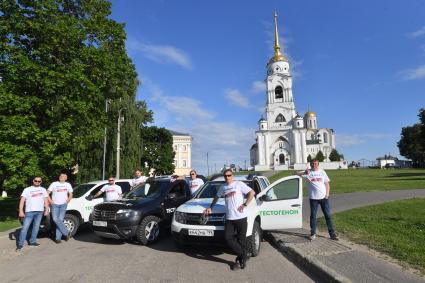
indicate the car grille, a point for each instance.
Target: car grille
{"x":213,"y":219}
{"x":103,"y":214}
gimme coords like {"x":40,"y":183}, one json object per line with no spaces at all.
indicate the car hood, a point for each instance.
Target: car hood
{"x":198,"y":205}
{"x":123,"y":203}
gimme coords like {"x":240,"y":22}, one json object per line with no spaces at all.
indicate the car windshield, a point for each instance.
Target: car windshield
{"x":145,"y":190}
{"x":210,"y":189}
{"x":81,"y":190}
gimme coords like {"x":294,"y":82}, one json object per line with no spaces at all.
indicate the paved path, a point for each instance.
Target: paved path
{"x":344,"y":261}
{"x":90,"y":259}
{"x":342,"y":202}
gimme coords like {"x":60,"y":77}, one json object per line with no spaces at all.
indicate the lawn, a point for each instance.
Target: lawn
{"x":356,"y":180}
{"x":395,"y":228}
{"x":9,"y":214}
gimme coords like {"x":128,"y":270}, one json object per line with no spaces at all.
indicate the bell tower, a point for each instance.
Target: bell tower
{"x":280,"y":107}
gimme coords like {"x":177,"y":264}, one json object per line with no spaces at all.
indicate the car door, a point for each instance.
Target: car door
{"x":89,"y":204}
{"x":280,"y":204}
{"x":176,"y":196}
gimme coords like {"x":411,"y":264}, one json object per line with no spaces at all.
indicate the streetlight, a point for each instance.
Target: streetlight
{"x":107,"y":101}
{"x":120,"y":119}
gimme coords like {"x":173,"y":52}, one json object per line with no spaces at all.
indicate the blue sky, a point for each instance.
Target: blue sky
{"x":360,"y":65}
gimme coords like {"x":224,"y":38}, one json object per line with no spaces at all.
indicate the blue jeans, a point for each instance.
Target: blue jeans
{"x":30,"y":217}
{"x":324,"y":204}
{"x":58,"y":214}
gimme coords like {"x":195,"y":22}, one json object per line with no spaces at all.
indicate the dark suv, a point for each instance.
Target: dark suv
{"x":143,"y":212}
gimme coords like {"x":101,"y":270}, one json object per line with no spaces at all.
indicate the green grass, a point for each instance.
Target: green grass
{"x":7,"y":223}
{"x":356,"y":180}
{"x":395,"y":228}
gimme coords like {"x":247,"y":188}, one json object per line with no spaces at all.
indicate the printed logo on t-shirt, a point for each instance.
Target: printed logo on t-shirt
{"x":230,"y":194}
{"x":36,"y":194}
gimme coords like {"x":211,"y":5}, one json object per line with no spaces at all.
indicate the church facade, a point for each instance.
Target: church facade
{"x":284,"y":138}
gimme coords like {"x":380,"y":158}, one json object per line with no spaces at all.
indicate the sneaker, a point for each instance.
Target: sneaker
{"x":68,"y":236}
{"x":235,"y":265}
{"x":19,"y":249}
{"x":58,"y":241}
{"x":334,"y":237}
{"x":313,"y":237}
{"x":34,"y":244}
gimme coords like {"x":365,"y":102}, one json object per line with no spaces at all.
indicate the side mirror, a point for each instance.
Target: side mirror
{"x":264,"y":198}
{"x":89,"y":197}
{"x":172,"y":195}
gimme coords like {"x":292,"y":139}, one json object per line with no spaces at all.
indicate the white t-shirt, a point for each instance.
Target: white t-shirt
{"x":34,"y":198}
{"x":316,"y":184}
{"x":60,"y":191}
{"x":234,"y":197}
{"x":195,"y":184}
{"x":113,"y":192}
{"x":138,"y":180}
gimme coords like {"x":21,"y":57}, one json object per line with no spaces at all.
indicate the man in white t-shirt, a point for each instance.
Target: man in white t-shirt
{"x":113,"y":192}
{"x":236,"y":215}
{"x":194,"y":183}
{"x":36,"y":201}
{"x":61,"y":194}
{"x":318,"y":193}
{"x":138,"y":178}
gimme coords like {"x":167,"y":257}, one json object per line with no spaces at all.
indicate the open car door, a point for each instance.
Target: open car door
{"x":280,"y":204}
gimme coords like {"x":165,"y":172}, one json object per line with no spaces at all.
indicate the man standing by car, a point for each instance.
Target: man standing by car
{"x":36,"y":201}
{"x":194,"y":183}
{"x":138,"y":178}
{"x":236,"y":215}
{"x":113,"y":191}
{"x":61,"y":195}
{"x":318,"y":193}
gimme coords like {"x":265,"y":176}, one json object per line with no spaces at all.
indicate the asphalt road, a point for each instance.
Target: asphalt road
{"x":87,"y":258}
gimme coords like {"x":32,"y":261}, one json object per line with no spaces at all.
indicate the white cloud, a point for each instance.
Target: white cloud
{"x":417,"y":33}
{"x":413,"y":74}
{"x":164,"y":54}
{"x":236,"y":98}
{"x":258,"y":87}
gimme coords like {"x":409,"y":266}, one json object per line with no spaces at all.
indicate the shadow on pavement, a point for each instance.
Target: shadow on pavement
{"x":86,"y":234}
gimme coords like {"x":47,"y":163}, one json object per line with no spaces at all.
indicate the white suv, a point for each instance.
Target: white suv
{"x":278,"y":206}
{"x":82,"y":203}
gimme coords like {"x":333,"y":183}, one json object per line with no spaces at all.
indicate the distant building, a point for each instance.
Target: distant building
{"x":381,"y":162}
{"x":182,"y":145}
{"x":285,"y":138}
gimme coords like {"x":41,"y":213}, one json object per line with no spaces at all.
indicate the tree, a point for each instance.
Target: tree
{"x":59,"y":61}
{"x":412,"y":141}
{"x":334,"y":155}
{"x":157,"y":150}
{"x":309,"y":158}
{"x":319,"y":156}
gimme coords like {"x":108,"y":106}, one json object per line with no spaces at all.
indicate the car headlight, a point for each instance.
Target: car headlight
{"x":123,"y":213}
{"x":180,"y":217}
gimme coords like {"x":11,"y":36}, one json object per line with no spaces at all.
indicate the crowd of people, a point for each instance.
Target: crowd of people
{"x":237,"y":197}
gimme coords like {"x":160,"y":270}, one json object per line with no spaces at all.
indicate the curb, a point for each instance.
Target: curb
{"x":310,"y":263}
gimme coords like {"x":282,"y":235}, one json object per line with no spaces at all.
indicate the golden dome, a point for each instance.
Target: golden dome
{"x":278,"y":56}
{"x":310,"y":114}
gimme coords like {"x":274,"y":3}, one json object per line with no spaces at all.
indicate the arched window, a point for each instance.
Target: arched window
{"x":280,"y":118}
{"x":281,"y":158}
{"x":278,"y":92}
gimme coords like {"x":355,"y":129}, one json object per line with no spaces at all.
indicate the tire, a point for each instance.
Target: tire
{"x":148,"y":230}
{"x":71,"y":223}
{"x":254,"y":241}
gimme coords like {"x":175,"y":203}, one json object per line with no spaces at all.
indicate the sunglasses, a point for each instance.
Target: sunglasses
{"x":111,"y":180}
{"x":228,"y":176}
{"x":192,"y":174}
{"x":37,"y":181}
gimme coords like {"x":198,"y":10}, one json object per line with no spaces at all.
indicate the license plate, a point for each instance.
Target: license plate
{"x":100,"y":223}
{"x":204,"y":233}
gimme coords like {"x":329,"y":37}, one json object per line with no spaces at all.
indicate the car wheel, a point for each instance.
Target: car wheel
{"x":148,"y":230}
{"x":71,"y":223}
{"x":254,"y":241}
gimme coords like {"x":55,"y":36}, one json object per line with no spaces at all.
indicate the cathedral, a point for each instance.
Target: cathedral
{"x":284,"y":138}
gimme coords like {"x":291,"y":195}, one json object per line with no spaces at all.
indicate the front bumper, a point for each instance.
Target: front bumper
{"x":117,"y":229}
